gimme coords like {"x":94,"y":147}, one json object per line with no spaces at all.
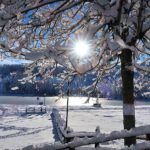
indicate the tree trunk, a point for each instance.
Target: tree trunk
{"x":128,"y":95}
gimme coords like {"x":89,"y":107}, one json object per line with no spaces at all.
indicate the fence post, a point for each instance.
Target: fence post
{"x":41,"y":109}
{"x":97,"y":131}
{"x":69,"y":139}
{"x":148,"y":137}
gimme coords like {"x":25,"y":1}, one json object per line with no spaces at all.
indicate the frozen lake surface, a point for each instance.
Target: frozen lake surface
{"x":52,"y":101}
{"x":18,"y":129}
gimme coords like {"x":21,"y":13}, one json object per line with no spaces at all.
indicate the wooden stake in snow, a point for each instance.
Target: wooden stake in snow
{"x":67,"y":105}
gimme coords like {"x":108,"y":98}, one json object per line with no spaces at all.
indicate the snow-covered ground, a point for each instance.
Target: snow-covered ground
{"x":18,"y":130}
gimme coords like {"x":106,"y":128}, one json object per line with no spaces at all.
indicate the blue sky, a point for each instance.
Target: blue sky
{"x":13,"y":61}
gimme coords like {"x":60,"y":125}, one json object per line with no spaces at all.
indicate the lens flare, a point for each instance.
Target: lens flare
{"x":81,"y":48}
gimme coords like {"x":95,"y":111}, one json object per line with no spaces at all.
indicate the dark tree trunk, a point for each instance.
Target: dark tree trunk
{"x":128,"y":95}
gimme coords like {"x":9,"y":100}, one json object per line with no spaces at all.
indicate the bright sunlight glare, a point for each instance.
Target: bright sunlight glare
{"x":81,"y":48}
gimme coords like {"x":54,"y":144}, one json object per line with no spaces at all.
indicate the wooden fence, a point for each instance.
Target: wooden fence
{"x":70,"y":139}
{"x":35,"y":109}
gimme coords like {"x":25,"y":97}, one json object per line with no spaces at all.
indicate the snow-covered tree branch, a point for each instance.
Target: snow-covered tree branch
{"x":46,"y":31}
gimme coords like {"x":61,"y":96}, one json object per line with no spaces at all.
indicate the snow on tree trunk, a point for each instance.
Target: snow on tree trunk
{"x":127,"y":93}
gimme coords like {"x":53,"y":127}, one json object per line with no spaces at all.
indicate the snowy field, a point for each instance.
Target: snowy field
{"x":18,"y":129}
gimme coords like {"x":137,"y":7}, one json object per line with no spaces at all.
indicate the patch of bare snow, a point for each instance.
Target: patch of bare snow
{"x":18,"y":130}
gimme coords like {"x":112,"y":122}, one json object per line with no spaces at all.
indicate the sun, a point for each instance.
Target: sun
{"x":81,"y":48}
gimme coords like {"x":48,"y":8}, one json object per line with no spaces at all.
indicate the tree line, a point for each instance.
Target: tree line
{"x":110,"y":86}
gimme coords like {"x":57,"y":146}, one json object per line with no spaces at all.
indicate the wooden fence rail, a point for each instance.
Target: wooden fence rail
{"x":35,"y":109}
{"x":70,"y":139}
{"x":68,"y":134}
